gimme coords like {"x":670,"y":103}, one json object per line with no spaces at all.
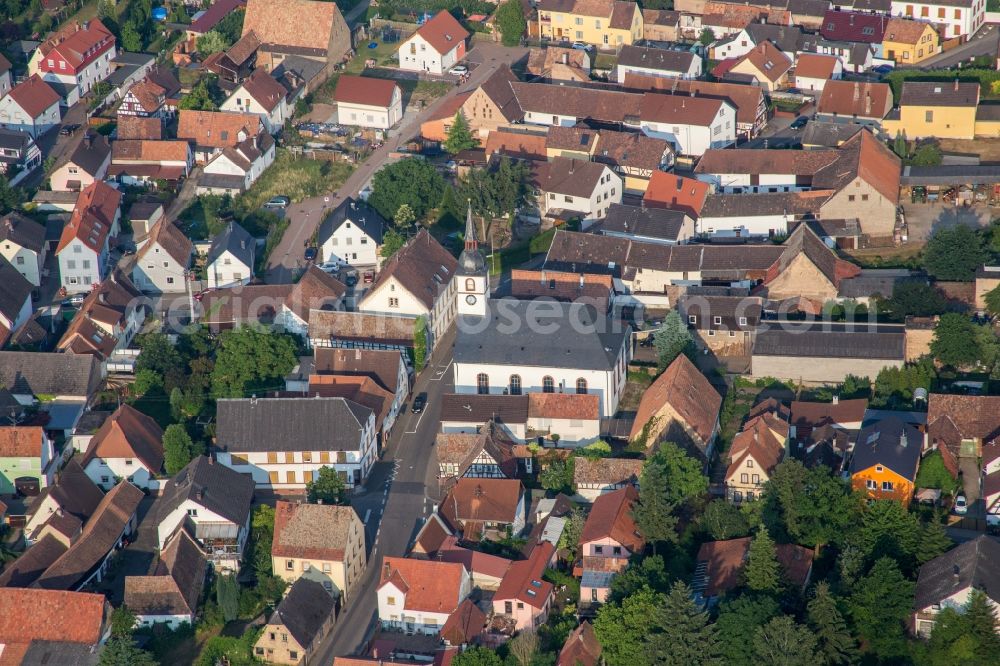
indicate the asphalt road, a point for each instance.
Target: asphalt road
{"x":401,"y":491}
{"x":983,"y":43}
{"x":306,"y":215}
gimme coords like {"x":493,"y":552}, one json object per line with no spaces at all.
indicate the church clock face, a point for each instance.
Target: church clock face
{"x":470,"y":299}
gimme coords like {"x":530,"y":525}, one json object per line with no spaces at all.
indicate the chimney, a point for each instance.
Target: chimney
{"x":211,"y":459}
{"x":955,"y":571}
{"x":836,"y":399}
{"x":200,"y":495}
{"x":386,"y":570}
{"x":956,"y":85}
{"x":857,"y":92}
{"x":565,"y":58}
{"x":88,"y":139}
{"x":868,"y":103}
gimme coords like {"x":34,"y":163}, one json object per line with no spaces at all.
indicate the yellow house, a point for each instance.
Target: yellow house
{"x":886,"y":459}
{"x":945,"y":109}
{"x":603,"y":23}
{"x":909,"y":42}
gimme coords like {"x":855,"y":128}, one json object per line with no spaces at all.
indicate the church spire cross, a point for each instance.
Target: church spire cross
{"x":471,"y":244}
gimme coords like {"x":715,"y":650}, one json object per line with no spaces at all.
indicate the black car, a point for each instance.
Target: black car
{"x":311,"y":253}
{"x":351,"y":279}
{"x":66,"y":130}
{"x":419,"y":403}
{"x":799,"y":122}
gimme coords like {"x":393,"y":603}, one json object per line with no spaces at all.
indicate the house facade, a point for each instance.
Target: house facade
{"x":88,"y":162}
{"x":436,"y":46}
{"x":368,"y":102}
{"x":22,"y":243}
{"x":78,"y":56}
{"x":161,"y":265}
{"x":606,"y":24}
{"x":85,"y":244}
{"x":31,"y":106}
{"x":352,"y":234}
{"x":261,"y":94}
{"x":26,"y":454}
{"x":418,"y":596}
{"x":232,"y":258}
{"x":586,"y":190}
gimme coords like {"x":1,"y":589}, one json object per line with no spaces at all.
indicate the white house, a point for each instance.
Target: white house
{"x":19,"y":155}
{"x":283,"y":442}
{"x":231,"y":258}
{"x":948,"y":580}
{"x":75,"y":58}
{"x":263,"y":95}
{"x":691,"y":124}
{"x":435,"y":47}
{"x":234,"y":170}
{"x":568,"y":186}
{"x":128,"y":446}
{"x":961,"y":18}
{"x":31,"y":106}
{"x":542,"y":347}
{"x":418,"y":596}
{"x":162,"y":262}
{"x":657,"y":62}
{"x":212,"y":500}
{"x":813,"y":70}
{"x":85,"y":245}
{"x":417,"y":281}
{"x":352,"y":233}
{"x":22,"y":243}
{"x":365,"y":101}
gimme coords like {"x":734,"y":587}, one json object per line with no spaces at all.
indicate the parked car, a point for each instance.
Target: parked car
{"x":582,"y":46}
{"x":459,"y":70}
{"x":882,"y":70}
{"x":74,"y":301}
{"x":66,"y":130}
{"x":351,"y":279}
{"x":369,"y":277}
{"x":331,"y":265}
{"x":278,"y":202}
{"x":419,"y":403}
{"x":961,"y":505}
{"x":799,"y":122}
{"x":310,"y":253}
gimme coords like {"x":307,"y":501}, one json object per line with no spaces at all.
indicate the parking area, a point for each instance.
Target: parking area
{"x":923,"y":219}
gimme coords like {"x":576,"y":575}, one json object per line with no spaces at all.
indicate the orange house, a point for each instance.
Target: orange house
{"x":886,"y":459}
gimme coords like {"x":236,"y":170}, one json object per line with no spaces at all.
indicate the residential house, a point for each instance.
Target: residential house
{"x":417,"y":281}
{"x":485,"y":508}
{"x":609,"y":538}
{"x":38,"y":631}
{"x":812,"y":71}
{"x":464,"y":627}
{"x":213,"y":502}
{"x":606,"y":24}
{"x":856,"y":57}
{"x":296,"y":629}
{"x":320,"y":542}
{"x":231,"y":258}
{"x":722,"y":324}
{"x":765,"y":64}
{"x":824,"y":356}
{"x":49,"y":376}
{"x":486,"y":571}
{"x":845,"y":415}
{"x":523,"y":595}
{"x":654,"y":225}
{"x":418,"y":596}
{"x":593,"y":479}
{"x":657,"y":62}
{"x":31,"y":106}
{"x":936,"y":109}
{"x":88,"y":559}
{"x":719,"y":567}
{"x":27,"y":459}
{"x":886,"y":458}
{"x":634,"y":156}
{"x":262,"y":95}
{"x":283,"y":442}
{"x":909,"y":42}
{"x":493,"y":105}
{"x":308,"y":29}
{"x":161,"y":265}
{"x":107,"y":320}
{"x":474,"y":455}
{"x":581,"y":647}
{"x":19,"y":155}
{"x":237,"y":62}
{"x":949,"y":579}
{"x":754,"y":454}
{"x":155,"y":96}
{"x":808,"y":270}
{"x":15,"y":300}
{"x":211,"y":17}
{"x":466,"y":413}
{"x":75,"y":58}
{"x":558,"y":63}
{"x":212,"y":131}
{"x":439,"y":119}
{"x":863,"y":102}
{"x":681,"y":406}
{"x":788,"y":38}
{"x":858,"y":27}
{"x":128,"y":446}
{"x":368,"y":102}
{"x":142,"y":162}
{"x":570,"y":188}
{"x":170,"y":594}
{"x":137,"y":127}
{"x":236,"y":168}
{"x":575,"y":418}
{"x":84,"y":247}
{"x":72,"y":497}
{"x":489,"y":358}
{"x":88,"y":162}
{"x":691,"y":124}
{"x":961,"y":426}
{"x":22,"y":244}
{"x":352,"y":234}
{"x":957,"y":19}
{"x":667,"y":190}
{"x":436,"y":46}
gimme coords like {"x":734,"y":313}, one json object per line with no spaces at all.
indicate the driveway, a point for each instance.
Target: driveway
{"x":138,"y":558}
{"x":306,"y":216}
{"x":922,"y":220}
{"x":53,"y":145}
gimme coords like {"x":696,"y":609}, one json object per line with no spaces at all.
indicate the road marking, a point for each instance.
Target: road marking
{"x":417,"y":424}
{"x":368,"y":514}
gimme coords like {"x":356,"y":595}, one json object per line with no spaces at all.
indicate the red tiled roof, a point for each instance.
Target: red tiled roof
{"x":265,"y":89}
{"x":76,"y":43}
{"x":854,"y":27}
{"x":21,"y":441}
{"x":365,"y":90}
{"x":564,"y":406}
{"x":581,"y":647}
{"x":690,"y":394}
{"x":443,"y":32}
{"x":28,"y":615}
{"x":34,"y":95}
{"x":92,"y":217}
{"x":313,"y":531}
{"x":128,"y":433}
{"x":464,"y":625}
{"x":486,"y":500}
{"x":429,"y":586}
{"x":474,"y":561}
{"x":864,"y":99}
{"x":523,"y":580}
{"x":216,"y":129}
{"x":667,"y":190}
{"x":769,"y":60}
{"x":815,"y":65}
{"x":725,"y":560}
{"x":611,"y":517}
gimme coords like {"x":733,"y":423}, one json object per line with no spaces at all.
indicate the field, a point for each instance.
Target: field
{"x":295,"y":177}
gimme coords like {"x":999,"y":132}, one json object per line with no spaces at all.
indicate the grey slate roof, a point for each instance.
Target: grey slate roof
{"x":830,"y":344}
{"x":49,"y":373}
{"x":890,"y":443}
{"x":14,"y":139}
{"x":475,"y":408}
{"x":974,"y":562}
{"x":876,"y":281}
{"x":22,"y":230}
{"x":285,"y":424}
{"x":663,"y":223}
{"x":15,"y":291}
{"x":830,"y":135}
{"x":90,"y":153}
{"x":304,"y":610}
{"x":659,"y":59}
{"x":224,"y":491}
{"x":237,"y":241}
{"x":360,"y":214}
{"x":556,"y":335}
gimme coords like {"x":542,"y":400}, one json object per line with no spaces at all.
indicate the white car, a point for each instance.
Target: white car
{"x":459,"y":70}
{"x":961,"y":506}
{"x":331,"y":266}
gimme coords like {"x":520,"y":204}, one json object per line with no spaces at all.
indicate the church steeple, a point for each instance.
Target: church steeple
{"x":471,"y":244}
{"x":471,"y":262}
{"x":473,"y":282}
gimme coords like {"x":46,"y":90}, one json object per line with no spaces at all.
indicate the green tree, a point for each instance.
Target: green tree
{"x":926,"y":154}
{"x":649,"y":572}
{"x":933,"y":542}
{"x":993,"y":300}
{"x":459,"y":135}
{"x":966,"y":637}
{"x":262,"y":532}
{"x":326,"y":487}
{"x":158,"y":354}
{"x":894,"y":387}
{"x":511,"y":22}
{"x":524,"y":646}
{"x":918,"y":299}
{"x":411,"y":181}
{"x":934,"y":474}
{"x":212,"y":42}
{"x":227,"y":595}
{"x":707,"y":37}
{"x":762,"y":572}
{"x":723,"y":520}
{"x":404,"y":217}
{"x":558,"y":476}
{"x":669,"y":478}
{"x":10,"y":197}
{"x":451,"y":214}
{"x":569,"y":540}
{"x":899,"y":145}
{"x":146,"y":380}
{"x":131,"y":37}
{"x":672,"y":339}
{"x":879,"y":607}
{"x":811,"y":506}
{"x":122,"y":622}
{"x":496,"y":192}
{"x":392,"y":242}
{"x":737,"y":626}
{"x":685,"y":638}
{"x":251,"y":361}
{"x":887,"y":529}
{"x":622,"y":628}
{"x":954,"y":253}
{"x":231,"y":27}
{"x":955,"y":340}
{"x":204,"y":96}
{"x":784,"y":642}
{"x":836,"y":645}
{"x":121,"y":651}
{"x":477,"y":656}
{"x":178,"y":449}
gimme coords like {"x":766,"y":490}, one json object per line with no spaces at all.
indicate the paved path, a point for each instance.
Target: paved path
{"x":306,"y":216}
{"x":983,"y":43}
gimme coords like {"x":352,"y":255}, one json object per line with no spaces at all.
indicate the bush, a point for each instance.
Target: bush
{"x":933,"y":474}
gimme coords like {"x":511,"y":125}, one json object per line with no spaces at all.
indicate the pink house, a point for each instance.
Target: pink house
{"x":523,"y":596}
{"x":609,"y":538}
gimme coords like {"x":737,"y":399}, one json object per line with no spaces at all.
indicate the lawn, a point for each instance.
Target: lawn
{"x":605,"y":61}
{"x":383,"y":55}
{"x":297,"y":178}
